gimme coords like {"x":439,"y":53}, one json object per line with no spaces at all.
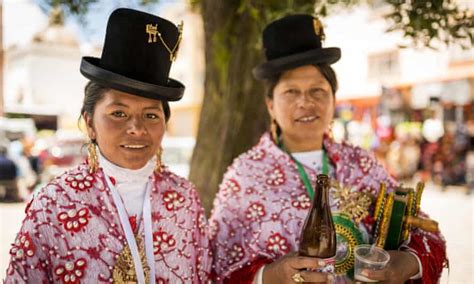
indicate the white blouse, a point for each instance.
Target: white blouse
{"x":311,"y":159}
{"x":131,"y":184}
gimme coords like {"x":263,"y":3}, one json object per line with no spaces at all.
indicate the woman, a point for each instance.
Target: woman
{"x":120,"y":217}
{"x":263,"y":201}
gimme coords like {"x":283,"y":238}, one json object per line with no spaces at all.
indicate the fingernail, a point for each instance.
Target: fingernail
{"x":364,"y":273}
{"x":321,"y":262}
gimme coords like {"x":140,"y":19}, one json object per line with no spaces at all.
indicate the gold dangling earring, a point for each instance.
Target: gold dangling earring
{"x":274,"y":131}
{"x":330,"y":130}
{"x":92,"y":157}
{"x":158,"y":166}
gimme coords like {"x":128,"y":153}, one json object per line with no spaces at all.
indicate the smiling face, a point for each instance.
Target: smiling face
{"x":128,"y":129}
{"x":303,"y":107}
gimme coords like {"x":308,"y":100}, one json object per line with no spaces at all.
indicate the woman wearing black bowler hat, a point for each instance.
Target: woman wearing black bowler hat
{"x":265,"y":194}
{"x":121,"y":216}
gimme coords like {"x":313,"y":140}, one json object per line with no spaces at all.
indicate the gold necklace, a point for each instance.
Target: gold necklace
{"x":124,"y":269}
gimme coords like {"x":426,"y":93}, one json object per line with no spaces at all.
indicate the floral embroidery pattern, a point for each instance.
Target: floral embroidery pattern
{"x":274,"y":182}
{"x":231,"y":186}
{"x":236,"y":254}
{"x":301,"y":202}
{"x":202,"y":222}
{"x":256,"y":154}
{"x":255,"y":211}
{"x":71,"y":272}
{"x":213,"y":228}
{"x":275,"y":177}
{"x":277,"y":244}
{"x":365,"y":164}
{"x":80,"y":182}
{"x":173,"y":200}
{"x":23,"y":247}
{"x":74,"y":220}
{"x":64,"y":241}
{"x":160,"y":280}
{"x":162,"y":242}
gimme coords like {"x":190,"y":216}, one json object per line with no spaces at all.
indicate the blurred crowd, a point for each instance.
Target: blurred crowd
{"x":443,"y":154}
{"x":26,"y":163}
{"x":429,"y":151}
{"x":447,"y":160}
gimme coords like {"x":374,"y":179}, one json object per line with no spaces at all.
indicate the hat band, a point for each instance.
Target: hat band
{"x":128,"y":85}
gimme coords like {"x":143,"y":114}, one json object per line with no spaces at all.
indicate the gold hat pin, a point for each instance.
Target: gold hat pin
{"x":152,"y":31}
{"x":318,"y":28}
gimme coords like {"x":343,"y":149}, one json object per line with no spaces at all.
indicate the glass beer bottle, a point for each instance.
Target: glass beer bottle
{"x":318,"y":236}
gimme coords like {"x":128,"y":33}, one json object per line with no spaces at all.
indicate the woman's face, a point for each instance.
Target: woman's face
{"x":128,"y":129}
{"x":302,"y":104}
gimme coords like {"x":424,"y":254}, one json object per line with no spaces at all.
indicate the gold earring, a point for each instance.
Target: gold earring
{"x":274,"y":131}
{"x":92,"y":157}
{"x":158,"y":166}
{"x":330,"y":132}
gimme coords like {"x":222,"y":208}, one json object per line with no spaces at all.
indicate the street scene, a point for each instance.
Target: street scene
{"x":370,"y":92}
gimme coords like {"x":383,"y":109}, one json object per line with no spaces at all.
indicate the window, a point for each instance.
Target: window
{"x":383,"y":66}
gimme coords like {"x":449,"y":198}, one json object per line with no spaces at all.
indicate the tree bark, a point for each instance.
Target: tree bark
{"x":233,"y":113}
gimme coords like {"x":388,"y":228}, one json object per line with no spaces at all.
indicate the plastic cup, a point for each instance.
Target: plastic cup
{"x":371,"y":258}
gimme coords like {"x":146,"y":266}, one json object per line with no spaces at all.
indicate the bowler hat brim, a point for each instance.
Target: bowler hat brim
{"x":91,"y":69}
{"x":276,"y":66}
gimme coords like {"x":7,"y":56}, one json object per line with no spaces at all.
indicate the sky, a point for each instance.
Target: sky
{"x":18,"y":28}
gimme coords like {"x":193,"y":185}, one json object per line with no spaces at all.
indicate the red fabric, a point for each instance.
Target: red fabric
{"x":246,"y":274}
{"x":432,"y":253}
{"x":259,"y":208}
{"x":72,"y":229}
{"x":133,"y":223}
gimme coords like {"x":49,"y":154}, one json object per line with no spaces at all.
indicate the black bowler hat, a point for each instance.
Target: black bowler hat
{"x":291,"y":42}
{"x":137,"y":55}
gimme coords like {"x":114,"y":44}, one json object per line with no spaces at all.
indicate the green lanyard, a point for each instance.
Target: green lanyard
{"x":304,"y":175}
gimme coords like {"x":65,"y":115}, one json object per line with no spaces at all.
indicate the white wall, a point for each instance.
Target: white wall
{"x":50,"y":79}
{"x":21,"y":20}
{"x":361,"y":32}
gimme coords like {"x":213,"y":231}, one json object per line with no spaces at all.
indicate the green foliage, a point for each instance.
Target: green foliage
{"x":430,"y":23}
{"x":70,"y":7}
{"x":425,"y":23}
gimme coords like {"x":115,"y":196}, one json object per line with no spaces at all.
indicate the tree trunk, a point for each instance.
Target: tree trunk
{"x":233,"y":114}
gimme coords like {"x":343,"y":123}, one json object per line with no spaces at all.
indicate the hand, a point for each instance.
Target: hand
{"x":282,"y":270}
{"x":400,"y":268}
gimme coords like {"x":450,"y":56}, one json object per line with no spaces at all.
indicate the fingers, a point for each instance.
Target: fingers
{"x":291,"y":267}
{"x":316,"y":277}
{"x":306,"y":267}
{"x":379,"y":275}
{"x":301,"y":262}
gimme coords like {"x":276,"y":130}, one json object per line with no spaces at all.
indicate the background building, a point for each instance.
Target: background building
{"x":43,"y":78}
